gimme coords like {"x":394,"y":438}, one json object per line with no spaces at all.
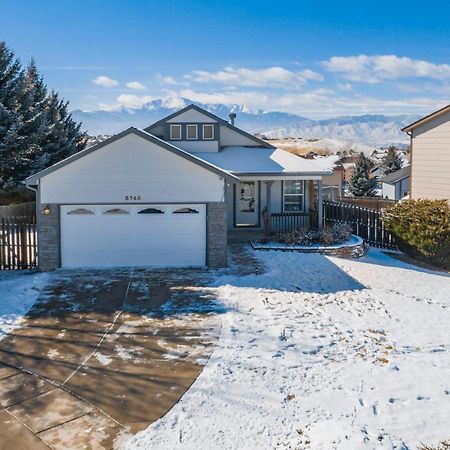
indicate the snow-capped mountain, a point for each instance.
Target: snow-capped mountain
{"x":368,"y":129}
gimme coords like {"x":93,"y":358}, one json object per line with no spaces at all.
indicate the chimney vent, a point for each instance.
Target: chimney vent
{"x":232,"y":116}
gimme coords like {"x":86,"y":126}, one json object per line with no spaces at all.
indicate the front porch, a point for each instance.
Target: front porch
{"x":261,"y":207}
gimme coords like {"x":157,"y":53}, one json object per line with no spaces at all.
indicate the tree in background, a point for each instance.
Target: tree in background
{"x":36,"y":129}
{"x":391,"y":161}
{"x":360,"y":183}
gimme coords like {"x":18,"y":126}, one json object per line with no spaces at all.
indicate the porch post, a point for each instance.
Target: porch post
{"x":268,"y":221}
{"x":319,"y":204}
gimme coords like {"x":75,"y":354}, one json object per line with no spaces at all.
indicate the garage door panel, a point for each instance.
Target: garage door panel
{"x":133,"y":239}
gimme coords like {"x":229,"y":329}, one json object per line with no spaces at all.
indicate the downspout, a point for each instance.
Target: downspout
{"x":410,"y":134}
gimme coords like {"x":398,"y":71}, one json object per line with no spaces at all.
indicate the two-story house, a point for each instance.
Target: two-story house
{"x":430,"y":156}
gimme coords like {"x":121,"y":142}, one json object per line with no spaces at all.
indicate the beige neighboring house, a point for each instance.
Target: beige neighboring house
{"x":430,"y":155}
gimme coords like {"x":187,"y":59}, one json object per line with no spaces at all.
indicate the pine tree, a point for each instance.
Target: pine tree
{"x":391,"y":161}
{"x":360,"y":183}
{"x":36,"y":129}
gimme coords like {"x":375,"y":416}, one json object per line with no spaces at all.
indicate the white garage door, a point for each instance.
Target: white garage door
{"x":133,"y":235}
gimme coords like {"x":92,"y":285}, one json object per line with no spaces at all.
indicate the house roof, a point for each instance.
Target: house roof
{"x":212,"y":116}
{"x":262,"y":160}
{"x":33,"y":179}
{"x":427,"y":118}
{"x":396,"y":176}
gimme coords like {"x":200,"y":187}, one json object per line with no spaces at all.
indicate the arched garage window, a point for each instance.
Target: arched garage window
{"x":81,"y":211}
{"x":116,"y":211}
{"x":186,"y":211}
{"x":150,"y":211}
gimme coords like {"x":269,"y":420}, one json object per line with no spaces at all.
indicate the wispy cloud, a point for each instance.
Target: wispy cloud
{"x":135,"y":85}
{"x":270,"y":76}
{"x":377,"y":68}
{"x":103,"y":80}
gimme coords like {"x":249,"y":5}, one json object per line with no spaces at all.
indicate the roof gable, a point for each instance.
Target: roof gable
{"x":428,"y":118}
{"x":211,"y":116}
{"x":33,"y":179}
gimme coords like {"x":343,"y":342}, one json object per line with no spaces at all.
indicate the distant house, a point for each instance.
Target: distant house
{"x":430,"y":155}
{"x":395,"y":186}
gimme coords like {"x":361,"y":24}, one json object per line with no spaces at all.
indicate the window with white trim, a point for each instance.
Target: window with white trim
{"x":175,"y":132}
{"x":208,"y":132}
{"x":293,"y":195}
{"x":191,"y":132}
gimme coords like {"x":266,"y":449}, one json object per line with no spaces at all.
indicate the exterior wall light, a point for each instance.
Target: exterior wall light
{"x":47,"y":210}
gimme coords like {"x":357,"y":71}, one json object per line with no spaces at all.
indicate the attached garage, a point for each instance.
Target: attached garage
{"x":133,"y":235}
{"x":133,"y":200}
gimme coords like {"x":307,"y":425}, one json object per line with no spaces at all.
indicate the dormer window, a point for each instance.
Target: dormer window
{"x":208,"y":132}
{"x":191,"y":131}
{"x":175,"y":132}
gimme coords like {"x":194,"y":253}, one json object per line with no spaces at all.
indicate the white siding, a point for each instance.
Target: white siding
{"x":197,"y":146}
{"x":131,"y":166}
{"x":430,"y":165}
{"x":191,"y":115}
{"x":230,"y":137}
{"x":388,"y":190}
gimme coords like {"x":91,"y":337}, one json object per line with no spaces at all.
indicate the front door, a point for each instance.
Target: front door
{"x":247,"y":204}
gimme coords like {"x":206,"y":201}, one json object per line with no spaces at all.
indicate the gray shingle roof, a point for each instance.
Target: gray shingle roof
{"x":394,"y":177}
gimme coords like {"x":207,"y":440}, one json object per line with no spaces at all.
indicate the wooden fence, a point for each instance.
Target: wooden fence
{"x":367,"y":202}
{"x":18,"y":242}
{"x":365,"y":222}
{"x":27,"y":209}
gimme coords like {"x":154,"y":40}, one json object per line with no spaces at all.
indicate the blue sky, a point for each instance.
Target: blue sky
{"x":316,"y":58}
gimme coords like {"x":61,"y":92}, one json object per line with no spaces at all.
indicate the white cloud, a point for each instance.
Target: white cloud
{"x":374,"y":69}
{"x":169,"y":80}
{"x":271,"y":76}
{"x":105,"y":81}
{"x":136,"y":86}
{"x":133,"y":101}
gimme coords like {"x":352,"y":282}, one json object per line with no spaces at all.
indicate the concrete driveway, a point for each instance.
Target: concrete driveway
{"x":104,"y":353}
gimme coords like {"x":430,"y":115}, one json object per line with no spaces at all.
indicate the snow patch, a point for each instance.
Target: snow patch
{"x":18,"y":293}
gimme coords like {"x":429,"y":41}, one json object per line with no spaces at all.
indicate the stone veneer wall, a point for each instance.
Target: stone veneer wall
{"x":48,"y":235}
{"x":216,"y":234}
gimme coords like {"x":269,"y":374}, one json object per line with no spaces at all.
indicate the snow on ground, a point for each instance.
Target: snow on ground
{"x":18,"y":292}
{"x":320,"y":353}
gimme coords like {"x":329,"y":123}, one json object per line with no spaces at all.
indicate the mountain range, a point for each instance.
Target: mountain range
{"x":376,"y":130}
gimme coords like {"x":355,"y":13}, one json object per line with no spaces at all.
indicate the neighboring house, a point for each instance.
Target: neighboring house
{"x":395,"y":186}
{"x":430,"y":156}
{"x":333,"y":185}
{"x":167,"y":195}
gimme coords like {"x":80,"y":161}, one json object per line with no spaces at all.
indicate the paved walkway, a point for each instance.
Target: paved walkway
{"x":103,"y":353}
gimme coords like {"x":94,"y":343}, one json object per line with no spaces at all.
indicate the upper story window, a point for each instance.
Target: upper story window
{"x":293,"y":196}
{"x":208,"y":131}
{"x":191,"y":131}
{"x":175,"y":132}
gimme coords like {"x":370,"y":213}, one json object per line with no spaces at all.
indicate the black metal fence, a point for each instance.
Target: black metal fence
{"x":283,"y":222}
{"x":18,"y":243}
{"x":365,"y":222}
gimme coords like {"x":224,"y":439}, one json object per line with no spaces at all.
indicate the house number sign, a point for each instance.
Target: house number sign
{"x":132,"y":197}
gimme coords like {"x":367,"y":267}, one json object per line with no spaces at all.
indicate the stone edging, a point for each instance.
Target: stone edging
{"x":356,"y":250}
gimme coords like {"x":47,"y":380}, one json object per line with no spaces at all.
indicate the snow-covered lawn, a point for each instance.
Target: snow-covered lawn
{"x":321,"y":353}
{"x":18,"y":292}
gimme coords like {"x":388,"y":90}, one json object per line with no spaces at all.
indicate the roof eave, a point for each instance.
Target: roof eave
{"x":426,"y":119}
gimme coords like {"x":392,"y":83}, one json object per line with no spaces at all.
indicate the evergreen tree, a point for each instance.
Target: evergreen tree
{"x":360,"y":183}
{"x":391,"y":161}
{"x":36,"y":129}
